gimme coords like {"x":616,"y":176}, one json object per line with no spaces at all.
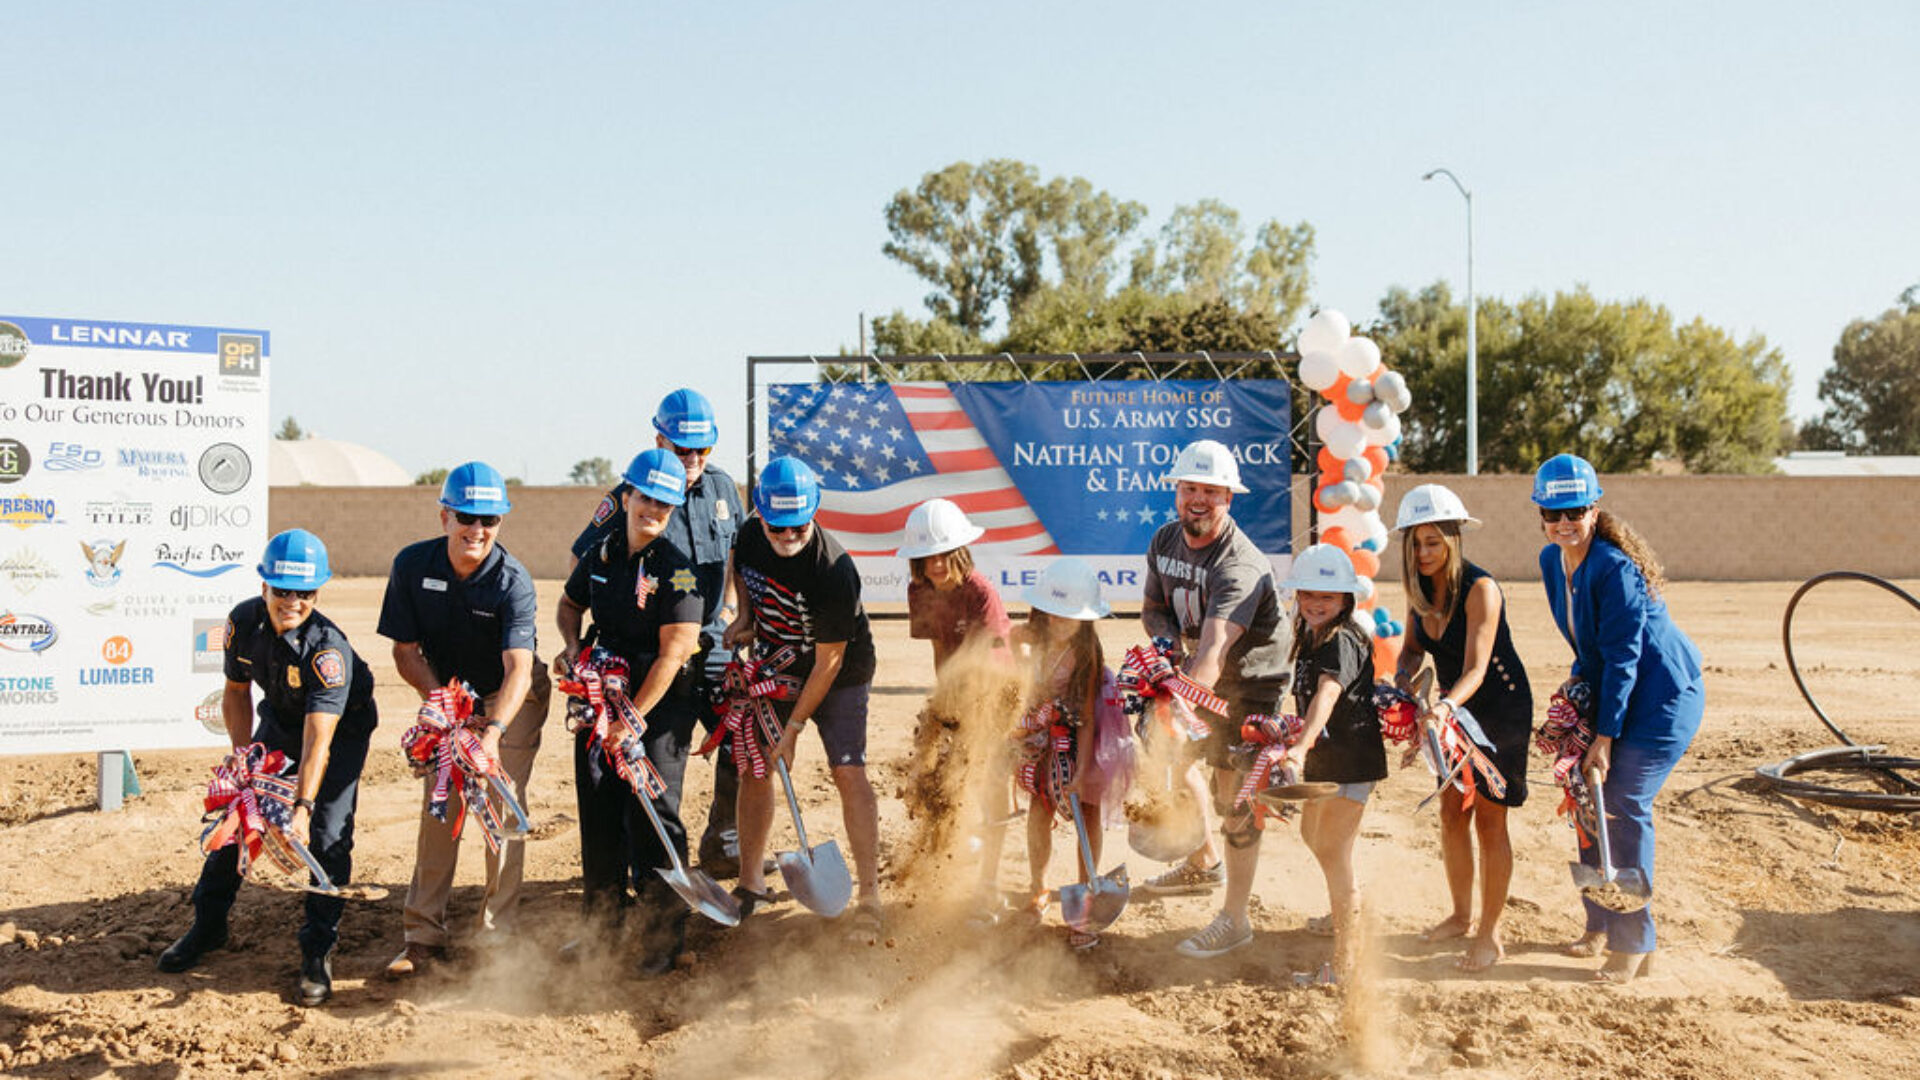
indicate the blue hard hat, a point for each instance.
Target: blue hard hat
{"x":475,"y":488}
{"x":788,"y":493}
{"x":658,"y":475}
{"x":295,"y":559}
{"x":1564,"y":482}
{"x":685,"y":417}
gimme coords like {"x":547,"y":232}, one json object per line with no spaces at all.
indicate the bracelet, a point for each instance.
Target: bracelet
{"x":1450,"y":703}
{"x":497,"y":726}
{"x":304,"y":804}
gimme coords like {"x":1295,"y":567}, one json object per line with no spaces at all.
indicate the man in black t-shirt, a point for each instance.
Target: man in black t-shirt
{"x":802,"y":590}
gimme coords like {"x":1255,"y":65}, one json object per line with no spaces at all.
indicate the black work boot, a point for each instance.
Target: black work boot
{"x":720,"y":843}
{"x":316,"y":979}
{"x":664,"y":943}
{"x":185,"y":953}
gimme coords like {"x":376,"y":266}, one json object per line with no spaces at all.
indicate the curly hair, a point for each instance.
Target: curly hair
{"x":1614,"y":530}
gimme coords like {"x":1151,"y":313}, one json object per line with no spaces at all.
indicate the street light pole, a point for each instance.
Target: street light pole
{"x":1473,"y":318}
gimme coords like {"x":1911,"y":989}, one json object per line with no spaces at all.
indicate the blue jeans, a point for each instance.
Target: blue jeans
{"x":1642,"y":759}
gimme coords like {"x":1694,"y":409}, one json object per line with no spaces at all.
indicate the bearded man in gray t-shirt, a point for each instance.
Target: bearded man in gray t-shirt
{"x":1211,"y":591}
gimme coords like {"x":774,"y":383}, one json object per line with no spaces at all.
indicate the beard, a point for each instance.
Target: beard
{"x":1198,"y":528}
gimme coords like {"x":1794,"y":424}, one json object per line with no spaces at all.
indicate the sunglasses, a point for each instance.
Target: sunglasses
{"x":788,"y":530}
{"x":293,"y":594}
{"x":692,"y":452}
{"x":488,"y":520}
{"x":1571,"y":513}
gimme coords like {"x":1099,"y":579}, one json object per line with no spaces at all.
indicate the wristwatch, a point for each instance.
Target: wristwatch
{"x":304,"y":804}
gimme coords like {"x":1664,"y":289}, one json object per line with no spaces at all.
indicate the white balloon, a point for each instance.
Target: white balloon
{"x":1324,"y":332}
{"x":1359,"y":357}
{"x":1345,"y":493}
{"x":1401,"y":401}
{"x":1376,"y":414}
{"x":1365,"y":594}
{"x":1366,"y":497}
{"x":1319,"y":370}
{"x":1345,"y":438}
{"x":1360,"y":391}
{"x":1377,"y":531}
{"x":1359,"y":470}
{"x":1323,"y":422}
{"x":1381,"y":435}
{"x":1346,"y":518}
{"x":1389,"y":385}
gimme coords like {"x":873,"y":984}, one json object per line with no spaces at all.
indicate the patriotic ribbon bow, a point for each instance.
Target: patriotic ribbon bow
{"x":250,"y":804}
{"x":445,"y":737}
{"x":1267,"y":738}
{"x":597,"y":687}
{"x":749,"y":687}
{"x":1565,"y":738}
{"x":1148,"y":678}
{"x":1399,"y":712}
{"x":1458,"y":740}
{"x":1044,"y":744}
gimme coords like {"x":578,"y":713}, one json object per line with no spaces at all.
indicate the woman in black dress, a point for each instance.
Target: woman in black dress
{"x":1458,"y":616}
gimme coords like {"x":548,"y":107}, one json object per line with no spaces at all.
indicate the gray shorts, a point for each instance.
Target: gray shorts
{"x":1359,"y":793}
{"x":841,"y":720}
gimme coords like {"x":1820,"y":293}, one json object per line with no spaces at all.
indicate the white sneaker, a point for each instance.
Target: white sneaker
{"x":1185,"y":880}
{"x":1219,"y":937}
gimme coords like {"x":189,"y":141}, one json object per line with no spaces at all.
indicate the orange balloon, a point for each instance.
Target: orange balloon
{"x":1320,"y":499}
{"x":1386,"y":656}
{"x":1337,"y":393}
{"x":1365,"y":563}
{"x":1349,"y":410}
{"x":1328,"y":463}
{"x":1338,"y":537}
{"x":1376,"y":462}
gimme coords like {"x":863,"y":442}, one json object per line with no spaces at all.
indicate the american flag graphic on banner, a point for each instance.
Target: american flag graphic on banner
{"x":880,"y":450}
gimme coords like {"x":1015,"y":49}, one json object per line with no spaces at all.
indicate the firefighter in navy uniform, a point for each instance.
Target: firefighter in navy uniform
{"x":317,"y":708}
{"x":703,"y":529}
{"x":646,"y":606}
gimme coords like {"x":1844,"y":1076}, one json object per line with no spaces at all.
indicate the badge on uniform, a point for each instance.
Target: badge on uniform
{"x":331,"y":667}
{"x":293,"y":676}
{"x":720,"y":511}
{"x":433,"y":584}
{"x":605,"y":510}
{"x":643,"y":588}
{"x":682,"y":580}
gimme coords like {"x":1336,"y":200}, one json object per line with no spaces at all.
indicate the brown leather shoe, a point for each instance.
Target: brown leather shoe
{"x":413,"y":960}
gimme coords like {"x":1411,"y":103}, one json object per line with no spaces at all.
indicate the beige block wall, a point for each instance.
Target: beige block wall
{"x":1704,"y":528}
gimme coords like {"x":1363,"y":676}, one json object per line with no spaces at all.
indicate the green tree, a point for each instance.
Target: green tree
{"x":1617,"y":383}
{"x":970,"y":232}
{"x":291,"y":430}
{"x":592,"y":472}
{"x":432,"y":477}
{"x":1872,"y":391}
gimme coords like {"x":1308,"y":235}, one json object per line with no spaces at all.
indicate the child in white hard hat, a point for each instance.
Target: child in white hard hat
{"x":949,"y":602}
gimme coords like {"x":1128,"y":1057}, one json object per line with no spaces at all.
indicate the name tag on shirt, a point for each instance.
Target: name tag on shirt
{"x":433,"y":584}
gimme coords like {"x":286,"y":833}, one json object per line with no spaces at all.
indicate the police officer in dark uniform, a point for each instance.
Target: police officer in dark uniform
{"x":703,"y":529}
{"x":644,"y":596}
{"x":317,"y":708}
{"x":460,"y":606}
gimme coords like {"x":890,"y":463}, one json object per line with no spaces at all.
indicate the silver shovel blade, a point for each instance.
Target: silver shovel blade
{"x":818,"y":878}
{"x":1176,"y":832}
{"x":515,"y":824}
{"x":1094,"y":906}
{"x":1627,"y":891}
{"x":702,"y":894}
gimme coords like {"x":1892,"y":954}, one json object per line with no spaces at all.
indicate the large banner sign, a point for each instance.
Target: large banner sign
{"x":1047,"y":468}
{"x":133,"y":507}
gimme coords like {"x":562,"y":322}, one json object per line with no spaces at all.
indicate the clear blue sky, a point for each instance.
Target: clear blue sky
{"x":504,"y":232}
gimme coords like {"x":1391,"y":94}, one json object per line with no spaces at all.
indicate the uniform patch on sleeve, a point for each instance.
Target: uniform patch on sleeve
{"x":606,"y":510}
{"x":331,"y":668}
{"x":226,"y":642}
{"x":682,"y":580}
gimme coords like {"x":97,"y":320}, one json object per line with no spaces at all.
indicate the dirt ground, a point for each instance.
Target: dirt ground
{"x":1790,"y":934}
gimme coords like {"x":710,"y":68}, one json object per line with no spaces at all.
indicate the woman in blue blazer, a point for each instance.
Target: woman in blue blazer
{"x":1603,"y":584}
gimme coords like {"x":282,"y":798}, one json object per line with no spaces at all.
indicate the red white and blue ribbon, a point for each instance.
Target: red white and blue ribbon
{"x":1565,"y":737}
{"x":1148,"y":678}
{"x":749,"y":686}
{"x":597,"y":687}
{"x":1460,"y":739}
{"x":1399,"y":712}
{"x":1045,"y":756}
{"x":249,"y":803}
{"x":1267,"y":738}
{"x":445,"y":737}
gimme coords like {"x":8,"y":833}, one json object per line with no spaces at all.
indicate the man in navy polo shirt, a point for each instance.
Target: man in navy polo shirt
{"x":702,"y":528}
{"x":459,"y":606}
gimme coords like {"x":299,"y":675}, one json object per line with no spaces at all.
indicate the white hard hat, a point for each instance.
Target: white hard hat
{"x":1429,"y":503}
{"x":1207,"y":462}
{"x":1070,"y":589}
{"x":936,"y":527}
{"x":1323,"y":568}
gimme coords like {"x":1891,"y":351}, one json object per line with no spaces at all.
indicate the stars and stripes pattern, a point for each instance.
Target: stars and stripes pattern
{"x":779,"y":613}
{"x":882,"y":449}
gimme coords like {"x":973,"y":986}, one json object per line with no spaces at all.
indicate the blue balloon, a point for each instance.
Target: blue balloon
{"x":1381,"y":616}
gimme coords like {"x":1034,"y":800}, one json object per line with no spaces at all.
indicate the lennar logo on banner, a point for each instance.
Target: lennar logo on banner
{"x":787,"y":502}
{"x":286,"y":568}
{"x":21,"y":632}
{"x":661,"y":480}
{"x":483,"y":494}
{"x":13,"y":345}
{"x":1567,"y":487}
